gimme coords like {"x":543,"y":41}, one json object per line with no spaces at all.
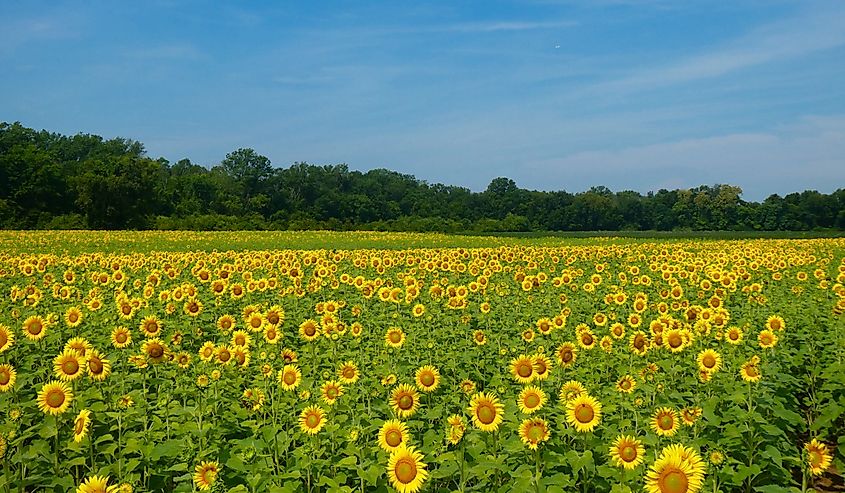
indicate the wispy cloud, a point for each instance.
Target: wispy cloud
{"x":799,"y":156}
{"x":495,"y":26}
{"x":168,"y":51}
{"x":790,"y":38}
{"x":15,"y":33}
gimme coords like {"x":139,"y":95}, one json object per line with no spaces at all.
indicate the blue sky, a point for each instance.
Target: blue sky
{"x":563,"y":94}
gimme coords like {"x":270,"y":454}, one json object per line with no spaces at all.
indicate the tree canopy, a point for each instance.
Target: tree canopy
{"x":49,"y":180}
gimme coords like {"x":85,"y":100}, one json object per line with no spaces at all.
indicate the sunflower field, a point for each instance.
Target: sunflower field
{"x":547,"y":366}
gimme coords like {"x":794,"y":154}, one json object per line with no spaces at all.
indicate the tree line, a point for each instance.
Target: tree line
{"x":54,"y":181}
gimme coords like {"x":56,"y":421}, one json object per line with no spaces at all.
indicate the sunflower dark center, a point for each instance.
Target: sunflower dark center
{"x":406,"y":402}
{"x":584,"y":413}
{"x":674,"y":481}
{"x":406,"y":470}
{"x":486,"y":413}
{"x":628,"y":453}
{"x":70,"y":366}
{"x":524,"y":370}
{"x":55,"y":398}
{"x":393,"y":438}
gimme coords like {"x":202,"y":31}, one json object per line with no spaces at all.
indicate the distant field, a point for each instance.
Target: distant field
{"x":145,"y":241}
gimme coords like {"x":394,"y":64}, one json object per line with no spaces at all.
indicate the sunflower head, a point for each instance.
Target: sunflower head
{"x":533,"y":432}
{"x":627,"y":452}
{"x":583,"y":413}
{"x":392,"y":434}
{"x":487,"y":411}
{"x":405,"y":469}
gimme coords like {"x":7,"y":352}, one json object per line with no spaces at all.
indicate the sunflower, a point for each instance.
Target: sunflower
{"x":182,"y":360}
{"x":523,"y":369}
{"x":775,"y":323}
{"x":394,"y":337}
{"x":151,"y":326}
{"x":709,"y":361}
{"x":348,"y":372}
{"x":275,"y":316}
{"x":531,"y":399}
{"x":272,"y":334}
{"x":121,"y":337}
{"x":155,"y":350}
{"x":206,"y":351}
{"x":566,"y":354}
{"x":78,"y":344}
{"x":289,"y":356}
{"x":456,"y":429}
{"x":675,"y":340}
{"x":767,"y":339}
{"x":241,"y":338}
{"x":487,"y":412}
{"x":750,"y":371}
{"x":97,"y":484}
{"x":205,"y":474}
{"x":331,"y":391}
{"x":689,"y":415}
{"x":226,"y":323}
{"x":253,"y":399}
{"x":312,"y":419}
{"x":734,"y":335}
{"x":73,"y":317}
{"x":584,"y":413}
{"x":665,"y":421}
{"x":617,"y":330}
{"x":404,"y":400}
{"x":479,"y":338}
{"x":638,"y":343}
{"x":677,"y":469}
{"x":428,"y":378}
{"x":818,"y":457}
{"x":55,"y":398}
{"x":68,"y":366}
{"x":467,"y":386}
{"x":81,"y":425}
{"x":7,"y":338}
{"x":392,"y":434}
{"x":192,"y":308}
{"x":586,"y":338}
{"x":99,"y":368}
{"x":222,"y":355}
{"x":570,"y":390}
{"x":626,"y":384}
{"x":406,"y":470}
{"x":542,"y":367}
{"x":289,"y":377}
{"x":35,"y":328}
{"x":627,"y":452}
{"x":534,"y":431}
{"x":8,"y":375}
{"x":309,"y":330}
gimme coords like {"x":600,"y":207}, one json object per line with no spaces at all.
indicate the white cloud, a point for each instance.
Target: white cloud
{"x":502,"y":26}
{"x":789,"y":38}
{"x":808,"y":154}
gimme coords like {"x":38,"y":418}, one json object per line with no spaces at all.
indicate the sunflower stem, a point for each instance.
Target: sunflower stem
{"x":56,"y":448}
{"x":463,"y":460}
{"x":91,"y":452}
